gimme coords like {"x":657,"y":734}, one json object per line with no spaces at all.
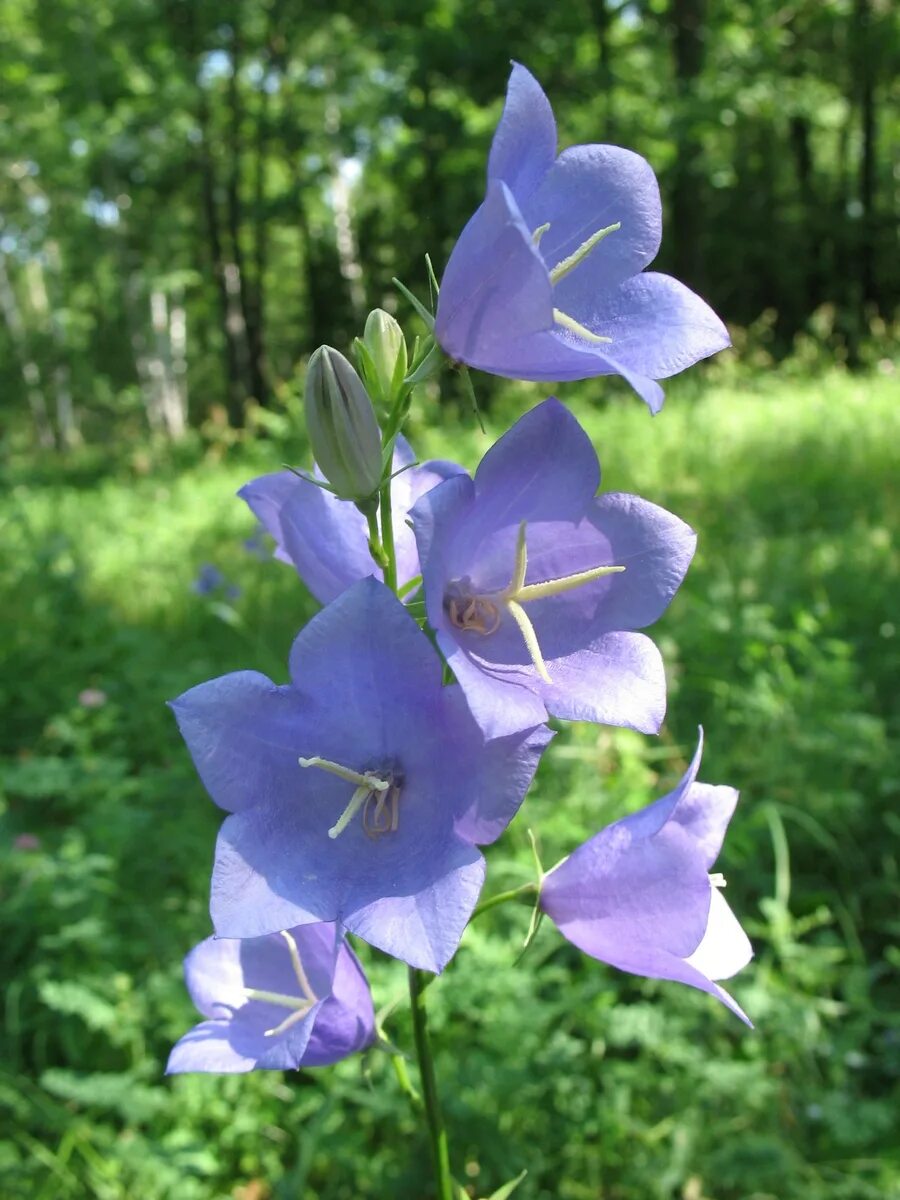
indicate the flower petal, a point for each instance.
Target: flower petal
{"x":588,"y":189}
{"x":495,"y":287}
{"x":617,"y":680}
{"x":725,"y":948}
{"x":360,"y":657}
{"x":657,"y":325}
{"x":241,"y":731}
{"x":656,"y":549}
{"x":502,"y":702}
{"x":345,"y":1024}
{"x":544,"y":466}
{"x":207,"y":1047}
{"x":266,"y":497}
{"x":524,"y":144}
{"x":620,"y":893}
{"x":327,"y":541}
{"x":503,"y":771}
{"x":424,"y":928}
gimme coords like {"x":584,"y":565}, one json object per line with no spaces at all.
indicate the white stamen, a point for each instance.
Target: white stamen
{"x":562,"y":269}
{"x":357,"y":800}
{"x":574,"y":326}
{"x":372,"y":782}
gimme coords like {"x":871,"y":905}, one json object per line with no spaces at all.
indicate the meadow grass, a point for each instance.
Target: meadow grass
{"x":783,"y":643}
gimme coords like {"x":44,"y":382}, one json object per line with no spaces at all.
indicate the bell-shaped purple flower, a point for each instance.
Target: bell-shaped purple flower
{"x":535,"y":585}
{"x":638,"y":895}
{"x":297,"y":998}
{"x":359,"y":791}
{"x":547,"y":280}
{"x":326,"y":539}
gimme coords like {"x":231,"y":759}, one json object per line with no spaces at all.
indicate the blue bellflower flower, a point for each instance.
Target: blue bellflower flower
{"x":535,"y":585}
{"x":547,"y":280}
{"x":359,"y":791}
{"x":325,"y":539}
{"x":297,"y":998}
{"x":638,"y":895}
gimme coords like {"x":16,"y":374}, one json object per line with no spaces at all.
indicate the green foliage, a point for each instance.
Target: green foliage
{"x":783,"y":643}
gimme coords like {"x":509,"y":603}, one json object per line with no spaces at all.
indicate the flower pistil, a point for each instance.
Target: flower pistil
{"x":565,"y":267}
{"x":300,"y":1005}
{"x":481,"y":612}
{"x":378,"y":798}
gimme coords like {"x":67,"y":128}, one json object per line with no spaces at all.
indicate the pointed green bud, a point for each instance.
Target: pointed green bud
{"x":341,"y":424}
{"x":383,"y":338}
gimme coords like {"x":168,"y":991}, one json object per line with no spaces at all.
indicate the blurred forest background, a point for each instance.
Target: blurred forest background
{"x":192,"y":197}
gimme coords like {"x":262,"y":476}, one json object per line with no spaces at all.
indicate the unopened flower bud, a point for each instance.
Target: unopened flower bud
{"x":343,"y":431}
{"x":383,"y":338}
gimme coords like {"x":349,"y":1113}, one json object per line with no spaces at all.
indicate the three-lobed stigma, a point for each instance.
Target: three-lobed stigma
{"x":379,"y":799}
{"x":565,"y":267}
{"x":299,"y":1005}
{"x":480,"y":612}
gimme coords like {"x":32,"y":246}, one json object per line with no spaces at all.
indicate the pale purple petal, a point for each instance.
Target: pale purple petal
{"x":657,"y":325}
{"x":423,"y":929}
{"x":543,"y":467}
{"x":207,"y":1048}
{"x":618,"y":893}
{"x":406,"y":489}
{"x":524,"y":144}
{"x":618,"y":680}
{"x":502,"y":775}
{"x":364,"y":648}
{"x":345,"y":1023}
{"x":660,"y":964}
{"x":327,"y":541}
{"x":587,"y":189}
{"x":495,"y":286}
{"x":241,"y":732}
{"x":637,"y":895}
{"x":501,"y":704}
{"x":266,"y":496}
{"x":725,"y":948}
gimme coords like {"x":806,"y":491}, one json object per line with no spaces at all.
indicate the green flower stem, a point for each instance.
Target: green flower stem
{"x":376,"y":549}
{"x":437,"y":1132}
{"x":418,"y":980}
{"x":387,"y":537}
{"x":526,"y":889}
{"x":406,"y":1084}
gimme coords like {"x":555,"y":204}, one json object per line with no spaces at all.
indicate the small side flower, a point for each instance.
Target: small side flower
{"x":297,"y":998}
{"x":639,"y":894}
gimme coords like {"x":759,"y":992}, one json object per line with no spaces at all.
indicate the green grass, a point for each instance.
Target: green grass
{"x":783,"y":643}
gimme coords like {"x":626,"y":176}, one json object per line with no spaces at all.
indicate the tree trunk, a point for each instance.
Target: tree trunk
{"x":31,"y":375}
{"x":603,"y":18}
{"x":250,"y":341}
{"x":687,"y":18}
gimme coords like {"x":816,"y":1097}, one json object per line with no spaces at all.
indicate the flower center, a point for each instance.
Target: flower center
{"x":377,"y":797}
{"x":565,"y":267}
{"x":480,"y":612}
{"x":299,"y":1005}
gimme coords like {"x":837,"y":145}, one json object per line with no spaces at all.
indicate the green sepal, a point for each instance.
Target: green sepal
{"x":430,"y":365}
{"x":420,"y":308}
{"x":507,"y":1189}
